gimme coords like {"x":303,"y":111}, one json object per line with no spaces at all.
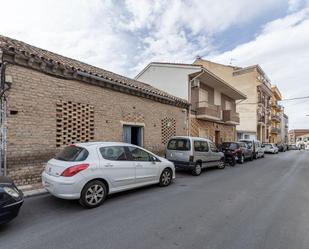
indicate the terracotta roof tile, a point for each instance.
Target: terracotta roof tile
{"x":9,"y":44}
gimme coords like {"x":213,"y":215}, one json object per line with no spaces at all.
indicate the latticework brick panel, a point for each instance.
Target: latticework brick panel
{"x":168,"y":129}
{"x":75,"y":123}
{"x":195,"y":127}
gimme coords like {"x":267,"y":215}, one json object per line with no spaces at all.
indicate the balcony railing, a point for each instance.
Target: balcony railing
{"x":205,"y":110}
{"x":230,"y":116}
{"x":275,"y":117}
{"x":275,"y":130}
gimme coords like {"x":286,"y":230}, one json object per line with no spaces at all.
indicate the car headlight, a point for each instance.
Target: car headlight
{"x":11,"y":191}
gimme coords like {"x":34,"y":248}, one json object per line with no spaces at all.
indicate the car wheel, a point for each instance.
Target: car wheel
{"x":166,"y":178}
{"x":197,"y":170}
{"x":93,"y":194}
{"x":241,"y":159}
{"x":263,"y":155}
{"x":221,"y":164}
{"x":232,"y":162}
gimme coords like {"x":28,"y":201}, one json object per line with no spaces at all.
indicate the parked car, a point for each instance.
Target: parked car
{"x":271,"y":148}
{"x":293,"y":147}
{"x":236,"y":152}
{"x":194,"y":154}
{"x":90,"y":171}
{"x":282,"y":147}
{"x":256,"y":146}
{"x":11,"y":199}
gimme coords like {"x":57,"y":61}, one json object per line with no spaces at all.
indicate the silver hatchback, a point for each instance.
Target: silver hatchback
{"x":194,"y":154}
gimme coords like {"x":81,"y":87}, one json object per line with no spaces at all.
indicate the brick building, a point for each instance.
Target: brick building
{"x":53,"y":101}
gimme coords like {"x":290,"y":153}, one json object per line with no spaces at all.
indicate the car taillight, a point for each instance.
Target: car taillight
{"x":191,"y":159}
{"x":73,"y":170}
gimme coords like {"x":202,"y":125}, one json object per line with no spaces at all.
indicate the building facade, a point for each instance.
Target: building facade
{"x":284,"y":128}
{"x":295,"y":133}
{"x":213,"y":108}
{"x":254,"y":112}
{"x":275,"y":129}
{"x":53,"y":101}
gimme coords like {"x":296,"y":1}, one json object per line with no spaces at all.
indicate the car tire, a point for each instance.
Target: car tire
{"x":251,"y":157}
{"x":232,"y":162}
{"x":166,"y":178}
{"x":93,"y":194}
{"x":241,"y":159}
{"x":221,"y":164}
{"x":263,"y":155}
{"x":197,"y":170}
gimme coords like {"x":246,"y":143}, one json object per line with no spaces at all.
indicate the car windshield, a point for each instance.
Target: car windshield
{"x":179,"y":144}
{"x":72,"y":154}
{"x":230,"y":146}
{"x":268,"y":145}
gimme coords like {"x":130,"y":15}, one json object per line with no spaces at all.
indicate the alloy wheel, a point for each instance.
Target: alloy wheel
{"x":95,"y":194}
{"x":166,"y":177}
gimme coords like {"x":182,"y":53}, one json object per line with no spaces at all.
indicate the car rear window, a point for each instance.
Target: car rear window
{"x":179,"y":144}
{"x":230,"y":146}
{"x":72,"y":154}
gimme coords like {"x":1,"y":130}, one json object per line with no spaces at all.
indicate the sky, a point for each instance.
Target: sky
{"x":124,"y":36}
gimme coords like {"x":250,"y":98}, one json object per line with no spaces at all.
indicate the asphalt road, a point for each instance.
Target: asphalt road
{"x":261,"y":204}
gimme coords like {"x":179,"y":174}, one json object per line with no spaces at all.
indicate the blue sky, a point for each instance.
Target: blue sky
{"x":124,"y":36}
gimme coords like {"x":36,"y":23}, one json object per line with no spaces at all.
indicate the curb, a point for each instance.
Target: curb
{"x":35,"y":192}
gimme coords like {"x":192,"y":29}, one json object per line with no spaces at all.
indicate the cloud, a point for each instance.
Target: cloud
{"x":283,"y":52}
{"x":123,"y":36}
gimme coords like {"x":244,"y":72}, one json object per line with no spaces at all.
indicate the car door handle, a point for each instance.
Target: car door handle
{"x":139,"y":166}
{"x":108,"y":165}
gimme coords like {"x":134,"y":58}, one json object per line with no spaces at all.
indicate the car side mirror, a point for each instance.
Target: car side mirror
{"x":153,"y":159}
{"x":262,"y":146}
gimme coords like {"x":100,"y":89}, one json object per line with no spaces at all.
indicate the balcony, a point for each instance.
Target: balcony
{"x":275,"y":117}
{"x":230,"y":117}
{"x":275,"y":130}
{"x":207,"y":111}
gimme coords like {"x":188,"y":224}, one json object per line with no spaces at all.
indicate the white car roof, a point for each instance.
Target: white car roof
{"x":89,"y":144}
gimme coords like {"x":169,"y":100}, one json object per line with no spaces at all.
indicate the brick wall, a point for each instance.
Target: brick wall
{"x":32,"y":121}
{"x":208,"y":128}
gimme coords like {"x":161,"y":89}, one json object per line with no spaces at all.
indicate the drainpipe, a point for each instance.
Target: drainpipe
{"x":3,"y":117}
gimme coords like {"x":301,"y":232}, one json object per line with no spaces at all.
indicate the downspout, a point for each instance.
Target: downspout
{"x":189,"y":100}
{"x":3,"y":116}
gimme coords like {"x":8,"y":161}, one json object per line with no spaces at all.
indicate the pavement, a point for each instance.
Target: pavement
{"x":260,"y":204}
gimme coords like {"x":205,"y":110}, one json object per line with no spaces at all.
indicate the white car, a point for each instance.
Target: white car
{"x":91,"y":171}
{"x":270,"y":148}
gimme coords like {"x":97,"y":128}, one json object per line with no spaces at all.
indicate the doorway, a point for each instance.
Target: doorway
{"x":217,"y":137}
{"x":133,"y":134}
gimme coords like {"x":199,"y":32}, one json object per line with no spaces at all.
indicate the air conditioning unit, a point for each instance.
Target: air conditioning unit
{"x":196,"y":83}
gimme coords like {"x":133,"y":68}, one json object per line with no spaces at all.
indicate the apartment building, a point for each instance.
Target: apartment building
{"x":254,"y":112}
{"x":275,"y":129}
{"x":295,"y":133}
{"x":284,"y":128}
{"x":213,"y":101}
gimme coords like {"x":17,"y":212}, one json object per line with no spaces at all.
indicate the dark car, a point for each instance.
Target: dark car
{"x":282,"y":147}
{"x":11,"y":200}
{"x":236,"y":152}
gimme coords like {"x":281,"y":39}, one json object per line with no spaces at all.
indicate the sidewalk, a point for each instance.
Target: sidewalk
{"x":32,"y":190}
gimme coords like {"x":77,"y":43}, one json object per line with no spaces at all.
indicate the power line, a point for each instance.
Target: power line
{"x":306,"y":97}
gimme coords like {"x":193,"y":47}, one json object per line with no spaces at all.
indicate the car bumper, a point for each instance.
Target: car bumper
{"x":10,"y":211}
{"x":183,"y":165}
{"x":61,"y":187}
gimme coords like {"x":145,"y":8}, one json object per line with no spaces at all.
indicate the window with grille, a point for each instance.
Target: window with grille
{"x":74,"y":123}
{"x":168,"y":129}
